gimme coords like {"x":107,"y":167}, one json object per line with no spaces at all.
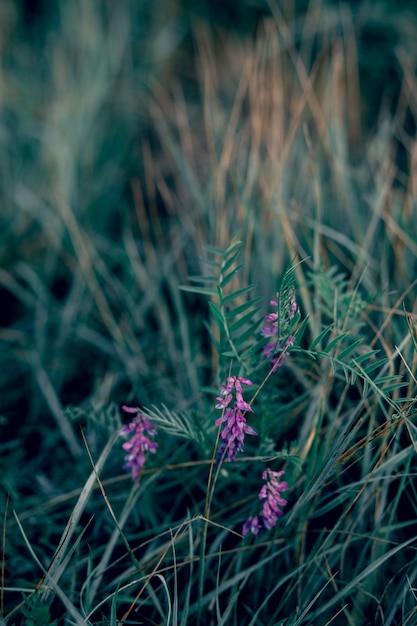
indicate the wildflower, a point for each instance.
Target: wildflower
{"x":271,"y":511}
{"x":253,"y":525}
{"x":271,"y":493}
{"x":233,"y":433}
{"x":139,"y":430}
{"x":274,"y":327}
{"x":227,"y":391}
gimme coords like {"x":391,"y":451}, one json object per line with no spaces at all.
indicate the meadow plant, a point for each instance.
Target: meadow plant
{"x":138,"y":431}
{"x":276,"y":347}
{"x":279,"y":328}
{"x":235,"y":422}
{"x":271,"y":511}
{"x":274,"y":327}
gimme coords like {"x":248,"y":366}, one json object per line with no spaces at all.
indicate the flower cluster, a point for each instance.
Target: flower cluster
{"x":140,"y":429}
{"x":271,"y":494}
{"x":274,"y":350}
{"x":235,"y":428}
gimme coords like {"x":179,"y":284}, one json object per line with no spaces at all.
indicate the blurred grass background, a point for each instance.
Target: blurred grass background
{"x":131,"y":134}
{"x":107,"y":113}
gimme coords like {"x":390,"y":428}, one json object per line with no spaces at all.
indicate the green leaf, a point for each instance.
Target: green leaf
{"x":242,"y":307}
{"x":229,"y":263}
{"x":299,"y":333}
{"x":254,"y":348}
{"x":217,"y":313}
{"x":373,"y":366}
{"x":350,"y":349}
{"x":389,"y":388}
{"x":334,"y":342}
{"x":320,"y":337}
{"x":224,"y":280}
{"x":239,"y":292}
{"x":248,"y":333}
{"x":202,"y":279}
{"x":178,"y":424}
{"x":211,"y":263}
{"x":204,"y":291}
{"x":386,"y":379}
{"x":234,"y":248}
{"x":245,"y":319}
{"x":362,"y":357}
{"x":213,"y":250}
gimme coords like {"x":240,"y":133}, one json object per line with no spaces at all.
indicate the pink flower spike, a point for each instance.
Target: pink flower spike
{"x":235,"y":429}
{"x":233,"y":434}
{"x":270,"y":493}
{"x":139,"y":431}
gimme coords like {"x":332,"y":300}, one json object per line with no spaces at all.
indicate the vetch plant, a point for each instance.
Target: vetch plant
{"x":235,"y":428}
{"x":238,"y":346}
{"x":273,"y":501}
{"x":139,"y":430}
{"x":276,"y":326}
{"x":235,"y":334}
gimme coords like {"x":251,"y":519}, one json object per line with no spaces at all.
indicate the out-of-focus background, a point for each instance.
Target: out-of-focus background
{"x":131,"y":134}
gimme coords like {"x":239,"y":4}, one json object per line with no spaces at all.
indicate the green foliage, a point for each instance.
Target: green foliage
{"x":36,"y":613}
{"x":334,"y":295}
{"x":233,"y":309}
{"x":178,"y":425}
{"x":236,"y":311}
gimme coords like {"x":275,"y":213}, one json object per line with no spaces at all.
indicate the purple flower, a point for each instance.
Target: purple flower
{"x":271,"y":511}
{"x":271,"y":493}
{"x":278,"y":360}
{"x":270,"y":325}
{"x":235,"y":382}
{"x":253,"y":525}
{"x":139,"y":430}
{"x":233,"y":433}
